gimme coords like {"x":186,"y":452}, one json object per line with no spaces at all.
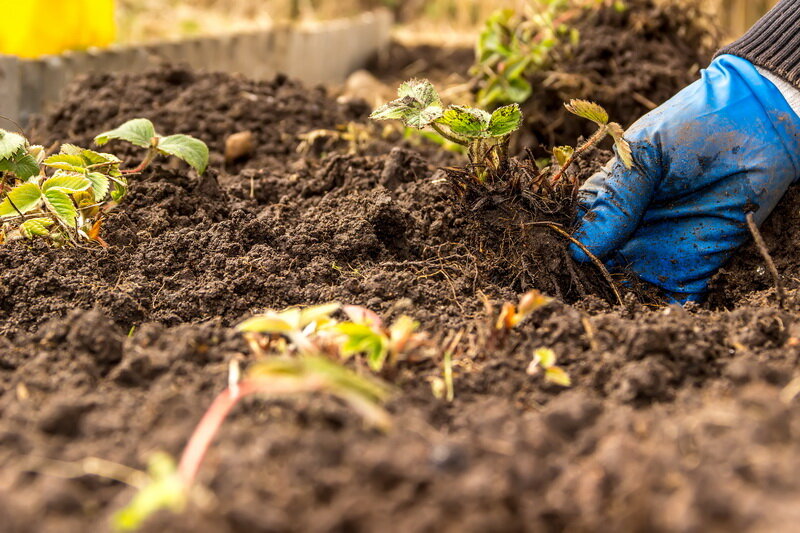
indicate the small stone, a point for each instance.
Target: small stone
{"x":239,"y":145}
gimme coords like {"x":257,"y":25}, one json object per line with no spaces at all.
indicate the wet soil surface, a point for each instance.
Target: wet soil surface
{"x":678,"y":419}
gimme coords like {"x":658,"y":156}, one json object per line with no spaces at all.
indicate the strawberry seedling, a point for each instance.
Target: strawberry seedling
{"x":63,"y":206}
{"x":544,"y":361}
{"x":141,"y":132}
{"x":485,"y":135}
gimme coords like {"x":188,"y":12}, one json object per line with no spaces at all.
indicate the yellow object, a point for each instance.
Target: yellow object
{"x":34,"y":28}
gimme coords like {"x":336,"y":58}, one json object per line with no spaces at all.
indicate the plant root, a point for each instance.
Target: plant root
{"x":599,"y":264}
{"x":762,"y":248}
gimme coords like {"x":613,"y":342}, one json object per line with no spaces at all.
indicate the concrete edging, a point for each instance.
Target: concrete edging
{"x":324,"y":52}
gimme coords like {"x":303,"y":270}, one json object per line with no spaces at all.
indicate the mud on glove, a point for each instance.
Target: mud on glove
{"x":726,"y":145}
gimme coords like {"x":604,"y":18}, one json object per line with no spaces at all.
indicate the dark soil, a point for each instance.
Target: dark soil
{"x":675,"y":421}
{"x":627,"y":61}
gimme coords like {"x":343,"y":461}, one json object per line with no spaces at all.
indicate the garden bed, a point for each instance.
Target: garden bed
{"x":677,"y":420}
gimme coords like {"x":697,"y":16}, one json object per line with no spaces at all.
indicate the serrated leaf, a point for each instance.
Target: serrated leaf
{"x":10,"y":143}
{"x":67,"y":182}
{"x":418,"y":104}
{"x":23,"y":165}
{"x":558,"y":376}
{"x":624,"y":151}
{"x":35,"y":227}
{"x":100,"y":185}
{"x":466,"y":121}
{"x":138,"y":131}
{"x":24,"y":197}
{"x":562,"y":154}
{"x":71,"y":163}
{"x":505,"y":120}
{"x":422,"y":91}
{"x":91,"y":157}
{"x":588,"y":110}
{"x":187,"y":148}
{"x":60,"y":204}
{"x":70,"y":149}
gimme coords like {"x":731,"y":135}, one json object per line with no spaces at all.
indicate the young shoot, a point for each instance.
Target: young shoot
{"x":566,"y":155}
{"x":485,"y":135}
{"x":512,"y":315}
{"x":544,"y":361}
{"x":170,"y":488}
{"x":141,"y":132}
{"x":314,"y":330}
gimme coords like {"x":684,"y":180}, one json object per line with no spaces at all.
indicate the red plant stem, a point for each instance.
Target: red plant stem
{"x":209,"y":425}
{"x":151,"y":155}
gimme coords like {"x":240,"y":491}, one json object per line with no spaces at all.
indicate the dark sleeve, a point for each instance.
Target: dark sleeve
{"x":773,"y":43}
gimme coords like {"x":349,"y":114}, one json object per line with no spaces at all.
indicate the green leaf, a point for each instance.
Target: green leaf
{"x":138,"y":131}
{"x":70,"y":149}
{"x":120,"y":189}
{"x":588,"y":110}
{"x":100,"y":185}
{"x":193,"y":151}
{"x":271,"y":324}
{"x":360,"y":338}
{"x":164,"y":490}
{"x":24,"y":197}
{"x":466,"y":121}
{"x":71,"y":163}
{"x":23,"y":165}
{"x":67,"y":182}
{"x":546,"y":357}
{"x":558,"y":376}
{"x":61,"y":205}
{"x":422,"y":91}
{"x":10,"y":143}
{"x":562,"y":154}
{"x":36,"y":227}
{"x":91,"y":157}
{"x":624,"y":151}
{"x":505,"y":120}
{"x":417,"y":106}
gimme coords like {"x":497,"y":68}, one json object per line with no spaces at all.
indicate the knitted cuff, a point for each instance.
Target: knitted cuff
{"x":773,"y":43}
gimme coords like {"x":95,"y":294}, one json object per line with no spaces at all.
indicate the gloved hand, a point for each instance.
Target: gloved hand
{"x":726,"y":145}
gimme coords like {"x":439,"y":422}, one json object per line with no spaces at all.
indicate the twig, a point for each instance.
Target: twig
{"x":599,"y":264}
{"x":762,"y":248}
{"x":598,"y":136}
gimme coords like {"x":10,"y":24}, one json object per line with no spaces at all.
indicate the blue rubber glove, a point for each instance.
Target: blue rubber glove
{"x":725,"y":145}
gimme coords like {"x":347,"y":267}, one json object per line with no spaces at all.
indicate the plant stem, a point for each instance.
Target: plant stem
{"x":449,"y":136}
{"x":599,"y":264}
{"x":151,"y":155}
{"x":209,"y":425}
{"x":598,"y":136}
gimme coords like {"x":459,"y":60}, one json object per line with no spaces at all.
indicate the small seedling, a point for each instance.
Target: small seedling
{"x":141,"y":132}
{"x":485,"y":135}
{"x":366,"y":334}
{"x":272,"y":377}
{"x":545,"y":359}
{"x":512,"y":315}
{"x":312,"y":329}
{"x":163,"y":490}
